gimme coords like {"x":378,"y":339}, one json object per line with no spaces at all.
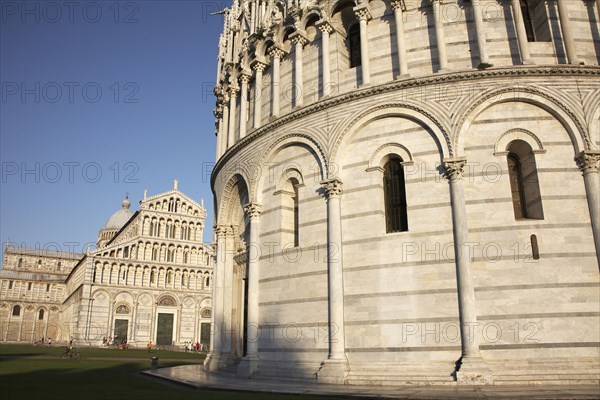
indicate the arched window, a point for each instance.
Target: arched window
{"x":290,"y":214}
{"x":16,"y":311}
{"x":58,"y":266}
{"x":354,"y":46}
{"x":296,"y":218}
{"x":535,"y":20}
{"x":152,"y":276}
{"x":396,"y":216}
{"x":207,"y":283}
{"x":20,"y":262}
{"x":525,"y":188}
{"x":167,"y":302}
{"x":41,"y":314}
{"x":122,"y":309}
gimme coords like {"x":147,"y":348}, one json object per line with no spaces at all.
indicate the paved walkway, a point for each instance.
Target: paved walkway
{"x":195,"y":376}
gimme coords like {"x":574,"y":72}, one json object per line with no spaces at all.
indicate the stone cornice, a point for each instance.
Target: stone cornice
{"x":433,"y":79}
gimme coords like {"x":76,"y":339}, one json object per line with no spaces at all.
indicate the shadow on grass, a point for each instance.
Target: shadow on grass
{"x":54,"y":379}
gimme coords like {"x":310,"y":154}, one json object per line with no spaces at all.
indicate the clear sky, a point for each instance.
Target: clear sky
{"x":100,"y":98}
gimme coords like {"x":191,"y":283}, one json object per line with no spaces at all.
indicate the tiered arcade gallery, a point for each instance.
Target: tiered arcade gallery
{"x":407,"y":192}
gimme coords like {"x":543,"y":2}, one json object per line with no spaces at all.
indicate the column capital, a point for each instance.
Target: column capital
{"x":362,"y":12}
{"x":258,"y":65}
{"x":220,"y":230}
{"x":233,"y":90}
{"x":245,"y":76}
{"x":229,"y":231}
{"x":398,"y":4}
{"x":277,"y":52}
{"x":253,"y":210}
{"x":587,"y":161}
{"x":332,"y":187}
{"x":299,"y":37}
{"x":454,"y":168}
{"x":324,"y":25}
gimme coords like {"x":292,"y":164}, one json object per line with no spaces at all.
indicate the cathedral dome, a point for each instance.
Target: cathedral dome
{"x":115,"y":223}
{"x":120,"y":218}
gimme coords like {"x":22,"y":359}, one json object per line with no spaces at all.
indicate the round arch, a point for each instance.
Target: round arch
{"x":294,"y":139}
{"x":426,"y":120}
{"x":575,"y":129}
{"x":227,"y":200}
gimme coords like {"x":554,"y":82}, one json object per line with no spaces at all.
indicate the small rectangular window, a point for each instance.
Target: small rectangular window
{"x":47,"y":287}
{"x":29,"y":286}
{"x":10,"y":284}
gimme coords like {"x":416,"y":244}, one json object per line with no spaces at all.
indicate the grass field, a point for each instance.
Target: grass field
{"x":28,"y":372}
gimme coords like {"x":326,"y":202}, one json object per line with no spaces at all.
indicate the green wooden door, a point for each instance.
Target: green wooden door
{"x":164,"y":329}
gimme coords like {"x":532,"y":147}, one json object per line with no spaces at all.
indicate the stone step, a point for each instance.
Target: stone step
{"x":399,"y":381}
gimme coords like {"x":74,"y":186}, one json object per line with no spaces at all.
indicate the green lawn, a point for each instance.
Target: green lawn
{"x":28,"y":372}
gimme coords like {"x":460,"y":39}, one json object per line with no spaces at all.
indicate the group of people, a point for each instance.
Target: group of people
{"x":43,"y":341}
{"x":191,"y":346}
{"x":114,"y":341}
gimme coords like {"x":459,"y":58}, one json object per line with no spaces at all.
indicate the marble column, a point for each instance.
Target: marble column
{"x":299,"y":40}
{"x":228,"y":324}
{"x":249,"y":363}
{"x":244,"y":79}
{"x":231,"y":133}
{"x":218,"y":112}
{"x":216,"y":339}
{"x":521,"y":32}
{"x":225,"y":123}
{"x":567,"y":32}
{"x":259,"y":67}
{"x":326,"y":29}
{"x":440,"y":35}
{"x":335,"y":368}
{"x":473,"y":368}
{"x":364,"y":15}
{"x":479,"y":31}
{"x":588,"y":163}
{"x":276,"y":54}
{"x":398,"y":6}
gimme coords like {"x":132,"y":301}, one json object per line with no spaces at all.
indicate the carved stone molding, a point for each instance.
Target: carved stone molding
{"x":587,"y":161}
{"x":252,"y":210}
{"x":454,"y":168}
{"x":449,"y":78}
{"x":333,"y":187}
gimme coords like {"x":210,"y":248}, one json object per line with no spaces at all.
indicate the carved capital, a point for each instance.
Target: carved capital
{"x":245,"y":76}
{"x":233,"y":91}
{"x":258,"y":65}
{"x":325,"y":26}
{"x":587,"y":161}
{"x":398,"y":4}
{"x":276,"y":52}
{"x":220,"y":230}
{"x":333,"y":187}
{"x":454,"y":168}
{"x":362,"y":12}
{"x":299,"y":37}
{"x":252,"y":210}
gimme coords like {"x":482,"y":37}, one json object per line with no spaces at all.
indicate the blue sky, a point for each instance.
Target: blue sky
{"x":101,"y":98}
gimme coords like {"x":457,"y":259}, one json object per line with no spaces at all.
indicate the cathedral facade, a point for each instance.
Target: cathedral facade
{"x":148,"y":280}
{"x":407,"y":191}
